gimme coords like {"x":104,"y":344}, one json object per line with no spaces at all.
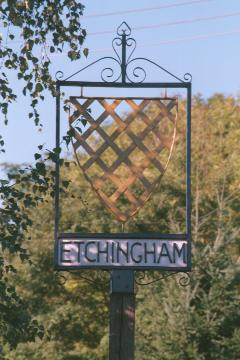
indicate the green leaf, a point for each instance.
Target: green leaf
{"x":37,"y":156}
{"x":86,"y":52}
{"x":41,"y":168}
{"x":57,"y":150}
{"x":30,"y":86}
{"x":40,"y":335}
{"x":71,"y":132}
{"x":39,"y":87}
{"x":65,"y":183}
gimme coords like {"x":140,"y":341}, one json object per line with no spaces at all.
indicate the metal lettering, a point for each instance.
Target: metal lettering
{"x":79,"y":243}
{"x":100,"y":251}
{"x":155,"y":253}
{"x":149,"y":252}
{"x":125,"y":253}
{"x":63,"y":250}
{"x":113,"y":244}
{"x":179,"y":252}
{"x":166,"y":253}
{"x":139,"y":256}
{"x":86,"y":251}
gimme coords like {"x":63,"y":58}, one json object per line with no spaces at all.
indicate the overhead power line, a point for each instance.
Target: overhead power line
{"x":173,"y":41}
{"x":170,"y":41}
{"x":198,"y":37}
{"x":163,"y":6}
{"x":155,"y":26}
{"x":178,"y":22}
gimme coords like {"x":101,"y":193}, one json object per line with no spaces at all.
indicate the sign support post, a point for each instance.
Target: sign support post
{"x":122,"y":315}
{"x":124,"y":253}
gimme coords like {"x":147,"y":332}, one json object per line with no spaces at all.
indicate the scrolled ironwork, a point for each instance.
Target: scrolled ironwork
{"x":137,"y":72}
{"x":143,"y":276}
{"x":105,"y":69}
{"x":59,"y":75}
{"x":108,"y":73}
{"x":187,"y":77}
{"x":117,"y":42}
{"x":155,"y":64}
{"x":131,"y":42}
{"x":124,"y":29}
{"x":183,"y":281}
{"x":98,"y":282}
{"x":129,"y":69}
{"x":60,"y":278}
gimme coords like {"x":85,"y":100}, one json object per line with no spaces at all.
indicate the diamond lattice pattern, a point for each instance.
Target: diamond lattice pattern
{"x":125,"y":147}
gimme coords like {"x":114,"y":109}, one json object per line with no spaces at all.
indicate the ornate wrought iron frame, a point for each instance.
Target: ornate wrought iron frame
{"x":137,"y":81}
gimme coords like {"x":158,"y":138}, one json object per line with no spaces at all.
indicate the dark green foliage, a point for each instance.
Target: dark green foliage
{"x":38,"y":23}
{"x":54,"y":24}
{"x":197,"y":322}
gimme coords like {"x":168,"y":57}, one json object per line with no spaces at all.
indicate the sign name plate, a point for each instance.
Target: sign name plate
{"x":121,"y":253}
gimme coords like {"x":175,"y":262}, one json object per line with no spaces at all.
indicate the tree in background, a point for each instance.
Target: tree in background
{"x":203,"y":321}
{"x":198,"y":322}
{"x":41,"y":27}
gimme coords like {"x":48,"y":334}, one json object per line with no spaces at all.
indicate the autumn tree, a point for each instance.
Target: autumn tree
{"x":202,"y":321}
{"x":199,"y":321}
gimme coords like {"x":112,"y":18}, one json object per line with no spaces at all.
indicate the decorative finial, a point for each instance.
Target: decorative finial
{"x":124,"y":29}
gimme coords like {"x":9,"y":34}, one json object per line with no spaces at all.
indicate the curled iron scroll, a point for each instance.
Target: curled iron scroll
{"x":138,"y":74}
{"x":135,"y":72}
{"x":115,"y":44}
{"x":108,"y":73}
{"x":62,"y":277}
{"x":183,"y":281}
{"x":188,"y":77}
{"x":142,"y":282}
{"x":59,"y":75}
{"x":131,"y":42}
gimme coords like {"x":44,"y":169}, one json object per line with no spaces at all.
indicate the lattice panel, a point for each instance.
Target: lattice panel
{"x":123,"y":153}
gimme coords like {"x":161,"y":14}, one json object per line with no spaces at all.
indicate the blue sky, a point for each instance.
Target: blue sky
{"x":208,"y":49}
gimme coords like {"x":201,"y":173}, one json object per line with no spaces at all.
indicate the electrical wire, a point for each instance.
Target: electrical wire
{"x":198,"y":37}
{"x":166,"y":42}
{"x":179,"y":22}
{"x":164,"y":6}
{"x":173,"y":41}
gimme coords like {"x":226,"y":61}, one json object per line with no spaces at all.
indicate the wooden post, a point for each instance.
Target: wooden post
{"x":122,"y":315}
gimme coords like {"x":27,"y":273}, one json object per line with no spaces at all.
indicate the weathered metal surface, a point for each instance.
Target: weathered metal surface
{"x":121,"y":254}
{"x":122,"y":316}
{"x":135,"y":145}
{"x":122,"y":326}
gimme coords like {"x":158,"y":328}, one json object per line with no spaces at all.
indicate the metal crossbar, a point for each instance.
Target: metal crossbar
{"x":115,"y":189}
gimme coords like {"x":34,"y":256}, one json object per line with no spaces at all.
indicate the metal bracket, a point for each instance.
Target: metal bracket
{"x":122,"y":281}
